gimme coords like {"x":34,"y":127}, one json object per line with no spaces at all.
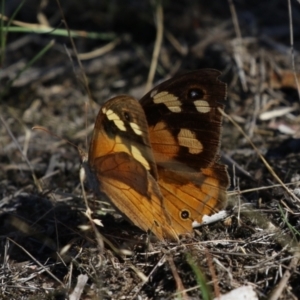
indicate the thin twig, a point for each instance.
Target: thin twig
{"x":159,"y":264}
{"x":37,"y":262}
{"x":283,"y":284}
{"x":36,"y":181}
{"x":238,"y":48}
{"x":260,"y":155}
{"x":232,"y":193}
{"x":157,"y":46}
{"x":84,"y":77}
{"x":77,"y":292}
{"x":99,"y":51}
{"x":181,"y":292}
{"x":292,"y":47}
{"x":235,"y":20}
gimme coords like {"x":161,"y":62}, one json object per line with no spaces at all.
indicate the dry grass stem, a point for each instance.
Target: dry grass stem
{"x":157,"y":44}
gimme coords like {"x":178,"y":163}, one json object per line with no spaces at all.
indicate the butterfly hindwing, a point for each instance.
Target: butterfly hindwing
{"x":184,"y":128}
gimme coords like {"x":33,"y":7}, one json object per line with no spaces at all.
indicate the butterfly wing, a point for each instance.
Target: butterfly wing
{"x":188,"y":196}
{"x":121,"y":166}
{"x":184,"y":128}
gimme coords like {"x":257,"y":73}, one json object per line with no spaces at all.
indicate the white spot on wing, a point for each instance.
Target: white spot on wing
{"x":115,"y":118}
{"x":136,"y":128}
{"x":202,"y":106}
{"x":169,"y":100}
{"x":136,"y":153}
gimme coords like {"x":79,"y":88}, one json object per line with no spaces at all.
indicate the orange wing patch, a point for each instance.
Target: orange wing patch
{"x":190,"y":196}
{"x":134,"y":192}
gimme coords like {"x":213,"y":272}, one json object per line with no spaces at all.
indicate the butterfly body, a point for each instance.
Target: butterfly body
{"x":156,"y":160}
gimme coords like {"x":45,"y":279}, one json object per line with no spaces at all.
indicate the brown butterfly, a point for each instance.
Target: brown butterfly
{"x":157,"y":159}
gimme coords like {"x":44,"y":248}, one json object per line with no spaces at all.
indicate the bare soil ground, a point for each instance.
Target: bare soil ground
{"x":43,"y":250}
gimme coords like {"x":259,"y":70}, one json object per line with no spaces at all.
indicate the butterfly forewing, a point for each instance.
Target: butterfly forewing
{"x":121,"y":164}
{"x":121,"y":127}
{"x":184,"y":120}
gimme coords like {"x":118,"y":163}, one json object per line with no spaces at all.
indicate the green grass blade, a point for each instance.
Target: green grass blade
{"x":2,"y":34}
{"x":200,"y":278}
{"x":285,"y":220}
{"x":62,"y":32}
{"x":4,"y":30}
